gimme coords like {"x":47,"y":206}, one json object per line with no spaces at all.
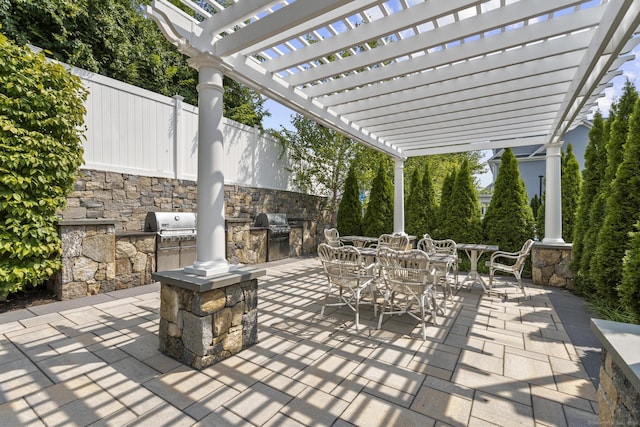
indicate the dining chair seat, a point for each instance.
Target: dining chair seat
{"x":409,"y":280}
{"x":347,"y":274}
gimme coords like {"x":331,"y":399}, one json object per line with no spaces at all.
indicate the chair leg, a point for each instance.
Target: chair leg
{"x":357,"y":294}
{"x":424,"y":326}
{"x":384,"y":304}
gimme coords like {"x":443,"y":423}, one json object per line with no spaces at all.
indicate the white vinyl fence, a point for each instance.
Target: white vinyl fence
{"x":135,"y":131}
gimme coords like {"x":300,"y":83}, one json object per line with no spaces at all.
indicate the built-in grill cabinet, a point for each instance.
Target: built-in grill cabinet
{"x":277,"y":234}
{"x":175,"y":238}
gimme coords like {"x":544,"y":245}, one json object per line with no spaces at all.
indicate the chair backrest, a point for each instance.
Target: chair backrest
{"x":394,"y":241}
{"x":332,"y":236}
{"x":433,"y":246}
{"x":342,"y":264}
{"x":522,"y":255}
{"x":404,"y":268}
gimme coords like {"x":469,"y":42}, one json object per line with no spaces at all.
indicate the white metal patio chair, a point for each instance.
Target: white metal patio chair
{"x":445,"y":248}
{"x":332,"y":236}
{"x":347,"y":273}
{"x":398,"y":242}
{"x":409,"y":279}
{"x":509,"y":262}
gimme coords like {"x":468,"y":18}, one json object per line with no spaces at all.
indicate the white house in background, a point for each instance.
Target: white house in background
{"x":531,"y":160}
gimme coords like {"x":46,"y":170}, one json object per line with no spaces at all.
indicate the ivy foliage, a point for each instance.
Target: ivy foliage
{"x":41,"y":114}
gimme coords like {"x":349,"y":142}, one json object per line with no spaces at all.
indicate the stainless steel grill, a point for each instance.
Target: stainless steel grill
{"x":175,"y":238}
{"x":277,"y":234}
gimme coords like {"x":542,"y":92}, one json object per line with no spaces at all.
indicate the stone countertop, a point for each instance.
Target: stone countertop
{"x":622,"y":341}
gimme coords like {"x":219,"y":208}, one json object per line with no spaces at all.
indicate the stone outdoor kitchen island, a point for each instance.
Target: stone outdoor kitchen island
{"x":204,"y":320}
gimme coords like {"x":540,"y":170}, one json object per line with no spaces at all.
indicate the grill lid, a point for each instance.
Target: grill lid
{"x":170,"y":222}
{"x":277,"y":222}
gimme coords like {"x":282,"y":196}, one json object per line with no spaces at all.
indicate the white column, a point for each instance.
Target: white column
{"x":178,"y":138}
{"x":553,"y":196}
{"x":211,"y":242}
{"x":398,"y":196}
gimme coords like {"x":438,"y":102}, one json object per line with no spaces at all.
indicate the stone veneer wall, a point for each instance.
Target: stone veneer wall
{"x":127,"y":199}
{"x":135,"y":258}
{"x":619,"y":388}
{"x":618,"y":400}
{"x":200,"y":328}
{"x":88,"y":259}
{"x":117,"y":204}
{"x":550,"y":265}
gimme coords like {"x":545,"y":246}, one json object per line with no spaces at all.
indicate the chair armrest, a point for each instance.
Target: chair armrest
{"x":503,"y":254}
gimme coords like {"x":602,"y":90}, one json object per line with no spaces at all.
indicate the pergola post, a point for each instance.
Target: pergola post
{"x":398,"y":196}
{"x":210,"y":246}
{"x":553,"y":196}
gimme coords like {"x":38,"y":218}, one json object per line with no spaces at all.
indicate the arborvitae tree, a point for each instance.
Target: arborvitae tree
{"x":630,"y":286}
{"x":349,"y":216}
{"x":570,"y":185}
{"x":622,"y":212}
{"x":596,"y":216}
{"x":534,"y":204}
{"x":430,"y":209}
{"x":414,"y":205}
{"x":464,"y":219}
{"x":540,"y":220}
{"x":595,"y":161}
{"x":605,"y":286}
{"x":378,"y":219}
{"x":443,"y":229}
{"x":508,"y":221}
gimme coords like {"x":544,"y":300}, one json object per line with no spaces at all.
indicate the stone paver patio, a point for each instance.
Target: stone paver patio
{"x":94,"y":361}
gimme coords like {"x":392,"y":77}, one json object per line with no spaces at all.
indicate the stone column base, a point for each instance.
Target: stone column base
{"x":550,"y":265}
{"x":204,"y":320}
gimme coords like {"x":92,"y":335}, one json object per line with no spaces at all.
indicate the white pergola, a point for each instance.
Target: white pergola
{"x":405,"y":77}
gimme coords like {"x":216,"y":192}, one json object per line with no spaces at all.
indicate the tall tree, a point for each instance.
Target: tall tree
{"x":605,"y":286}
{"x":622,"y":213}
{"x":630,"y":286}
{"x":113,"y":38}
{"x":349,"y":222}
{"x":570,"y":186}
{"x":595,"y":217}
{"x":595,"y":162}
{"x":443,"y":230}
{"x":430,"y":210}
{"x":319,"y":159}
{"x":414,"y":206}
{"x":508,"y":221}
{"x":534,"y":204}
{"x":464,"y":219}
{"x":378,"y":218}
